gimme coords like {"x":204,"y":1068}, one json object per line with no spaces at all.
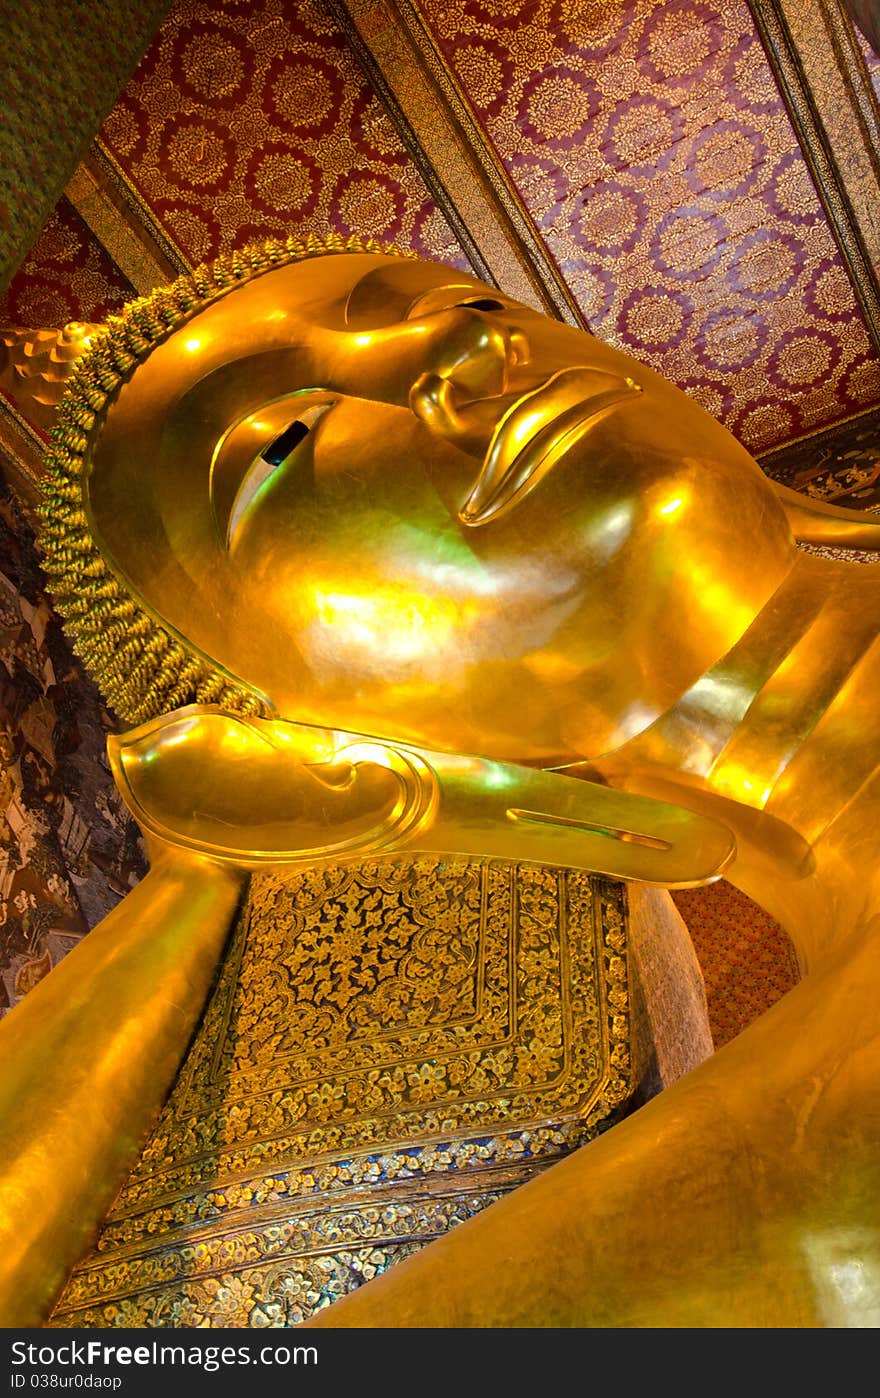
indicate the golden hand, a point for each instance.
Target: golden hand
{"x":252,"y":792}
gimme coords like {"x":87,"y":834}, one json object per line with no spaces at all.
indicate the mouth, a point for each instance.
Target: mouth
{"x":536,"y":432}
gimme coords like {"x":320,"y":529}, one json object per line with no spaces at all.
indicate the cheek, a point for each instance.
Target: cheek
{"x":370,"y":499}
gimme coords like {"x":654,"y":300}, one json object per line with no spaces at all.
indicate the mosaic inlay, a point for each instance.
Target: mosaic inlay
{"x":389,"y":1049}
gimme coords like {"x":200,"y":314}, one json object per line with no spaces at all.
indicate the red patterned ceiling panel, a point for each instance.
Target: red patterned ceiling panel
{"x":66,"y":276}
{"x":651,"y":147}
{"x":249,"y":118}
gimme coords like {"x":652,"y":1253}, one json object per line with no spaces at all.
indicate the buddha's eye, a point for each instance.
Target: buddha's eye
{"x":481,"y":303}
{"x":240,"y":472}
{"x":454,"y":298}
{"x":401,"y":291}
{"x":283,"y":445}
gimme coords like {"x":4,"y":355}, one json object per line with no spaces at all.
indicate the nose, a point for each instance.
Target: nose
{"x":463,"y":392}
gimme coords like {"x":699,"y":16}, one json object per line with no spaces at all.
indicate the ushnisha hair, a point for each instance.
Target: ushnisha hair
{"x":141,"y":666}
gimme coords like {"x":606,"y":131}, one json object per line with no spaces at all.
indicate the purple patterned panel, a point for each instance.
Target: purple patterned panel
{"x":67,"y":275}
{"x":651,"y":146}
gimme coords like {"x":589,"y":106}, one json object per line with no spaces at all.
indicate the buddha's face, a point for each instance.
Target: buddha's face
{"x":395,"y":501}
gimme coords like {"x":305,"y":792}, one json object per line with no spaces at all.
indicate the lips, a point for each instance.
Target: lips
{"x":536,"y":432}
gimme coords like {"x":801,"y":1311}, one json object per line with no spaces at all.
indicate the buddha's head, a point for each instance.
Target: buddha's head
{"x":365,"y":491}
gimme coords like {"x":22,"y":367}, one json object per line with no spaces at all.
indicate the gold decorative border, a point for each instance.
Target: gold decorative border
{"x":135,"y":212}
{"x":452,"y":152}
{"x":851,"y":62}
{"x":119,"y":227}
{"x":22,"y":451}
{"x":810,"y":53}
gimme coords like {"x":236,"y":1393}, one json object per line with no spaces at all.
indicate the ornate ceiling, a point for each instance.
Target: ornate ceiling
{"x":694,"y":181}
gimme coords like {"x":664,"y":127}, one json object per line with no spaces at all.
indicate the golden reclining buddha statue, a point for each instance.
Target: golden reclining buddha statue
{"x":384,"y":566}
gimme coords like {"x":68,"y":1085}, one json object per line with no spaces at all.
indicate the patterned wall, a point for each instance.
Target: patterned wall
{"x":68,"y":849}
{"x":746,"y":959}
{"x":66,"y":276}
{"x":249,"y":119}
{"x":652,"y":148}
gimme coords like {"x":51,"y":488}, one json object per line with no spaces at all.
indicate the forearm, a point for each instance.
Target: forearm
{"x":87,"y":1061}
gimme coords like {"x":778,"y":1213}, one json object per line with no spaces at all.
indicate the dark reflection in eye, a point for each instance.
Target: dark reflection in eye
{"x":284,"y":444}
{"x":267,"y":463}
{"x":482,"y":304}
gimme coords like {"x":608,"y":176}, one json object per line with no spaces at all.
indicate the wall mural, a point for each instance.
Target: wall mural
{"x":68,"y":849}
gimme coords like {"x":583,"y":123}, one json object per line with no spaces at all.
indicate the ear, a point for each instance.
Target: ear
{"x":257,"y":792}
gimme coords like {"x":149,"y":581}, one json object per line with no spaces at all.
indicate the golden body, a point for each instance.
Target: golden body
{"x":488,"y":535}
